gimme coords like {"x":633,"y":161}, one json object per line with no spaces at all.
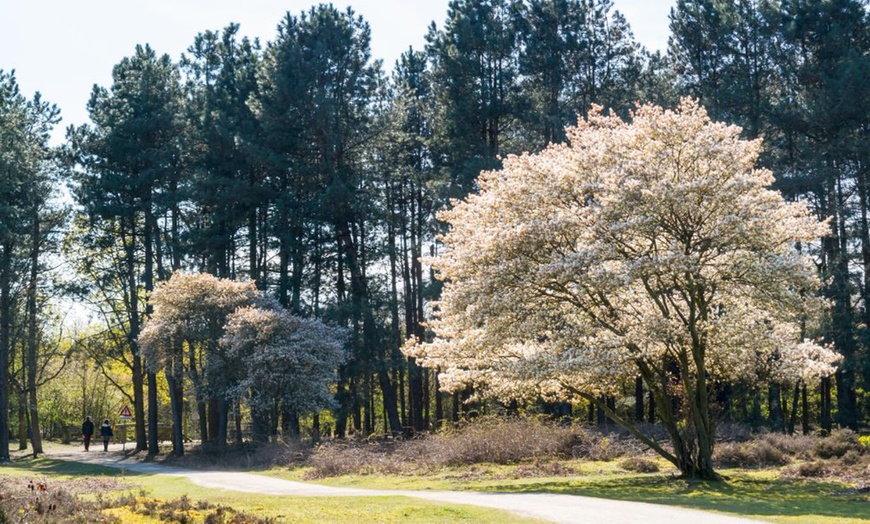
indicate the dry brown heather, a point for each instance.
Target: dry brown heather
{"x":40,"y":500}
{"x":545,"y":448}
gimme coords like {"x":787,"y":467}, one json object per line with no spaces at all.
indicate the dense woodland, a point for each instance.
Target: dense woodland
{"x":307,"y":167}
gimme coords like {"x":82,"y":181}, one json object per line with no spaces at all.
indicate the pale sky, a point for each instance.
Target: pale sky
{"x":63,"y":47}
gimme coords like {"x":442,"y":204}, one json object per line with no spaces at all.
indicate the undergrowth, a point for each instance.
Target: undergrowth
{"x":43,"y":501}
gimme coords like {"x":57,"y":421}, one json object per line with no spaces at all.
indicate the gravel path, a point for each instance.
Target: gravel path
{"x":567,"y":509}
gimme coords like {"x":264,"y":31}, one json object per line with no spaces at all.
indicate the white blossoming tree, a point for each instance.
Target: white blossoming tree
{"x":653,"y":248}
{"x":284,"y":359}
{"x":182,"y":338}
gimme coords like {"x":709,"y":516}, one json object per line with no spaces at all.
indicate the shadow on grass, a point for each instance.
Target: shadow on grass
{"x":54,"y":467}
{"x":741,"y":494}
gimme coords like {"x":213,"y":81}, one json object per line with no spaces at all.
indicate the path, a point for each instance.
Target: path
{"x":567,"y":509}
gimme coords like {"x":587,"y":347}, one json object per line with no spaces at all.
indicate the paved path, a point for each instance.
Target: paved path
{"x":567,"y":509}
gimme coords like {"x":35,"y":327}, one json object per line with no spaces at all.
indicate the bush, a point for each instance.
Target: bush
{"x":487,"y":440}
{"x":794,"y":445}
{"x":500,"y":441}
{"x":850,"y":458}
{"x":54,"y":500}
{"x":639,"y":465}
{"x":814,"y":469}
{"x":245,"y":456}
{"x":333,"y":460}
{"x":838,"y":444}
{"x":753,"y":454}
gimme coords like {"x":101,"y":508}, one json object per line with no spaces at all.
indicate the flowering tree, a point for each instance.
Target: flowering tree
{"x":285,"y":359}
{"x":182,"y":338}
{"x":653,"y":249}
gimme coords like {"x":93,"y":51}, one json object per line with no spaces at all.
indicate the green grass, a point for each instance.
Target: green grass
{"x":762,"y":495}
{"x":284,"y":509}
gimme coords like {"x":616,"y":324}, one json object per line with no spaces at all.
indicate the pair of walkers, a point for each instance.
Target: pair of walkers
{"x":105,"y":432}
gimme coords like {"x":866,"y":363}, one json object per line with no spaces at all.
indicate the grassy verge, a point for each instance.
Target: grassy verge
{"x":281,"y":509}
{"x":758,"y":494}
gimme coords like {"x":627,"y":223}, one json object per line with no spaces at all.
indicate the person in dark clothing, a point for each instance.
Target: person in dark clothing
{"x":87,"y":432}
{"x":107,"y":433}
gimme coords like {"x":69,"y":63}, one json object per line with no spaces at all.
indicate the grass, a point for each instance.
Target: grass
{"x":770,"y":485}
{"x":758,"y":494}
{"x":282,"y":509}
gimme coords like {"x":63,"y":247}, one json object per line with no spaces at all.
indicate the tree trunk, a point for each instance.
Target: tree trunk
{"x":22,"y":420}
{"x":33,"y":338}
{"x":133,"y":335}
{"x":805,"y":411}
{"x":150,"y":229}
{"x":825,"y":408}
{"x":774,"y":408}
{"x":638,"y":399}
{"x":176,"y":401}
{"x":5,"y":314}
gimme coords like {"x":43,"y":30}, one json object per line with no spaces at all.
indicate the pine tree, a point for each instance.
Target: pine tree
{"x":128,"y":156}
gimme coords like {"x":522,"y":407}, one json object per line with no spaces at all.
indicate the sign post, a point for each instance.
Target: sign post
{"x":125,"y":414}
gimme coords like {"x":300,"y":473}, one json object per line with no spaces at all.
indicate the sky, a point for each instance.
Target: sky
{"x":63,"y":47}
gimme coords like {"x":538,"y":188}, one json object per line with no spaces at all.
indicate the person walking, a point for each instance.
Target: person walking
{"x":87,"y":432}
{"x":107,"y":433}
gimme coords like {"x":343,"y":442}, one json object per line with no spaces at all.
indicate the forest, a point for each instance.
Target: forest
{"x":303,"y":179}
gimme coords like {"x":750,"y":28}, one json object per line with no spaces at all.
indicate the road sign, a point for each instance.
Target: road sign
{"x":125,"y":413}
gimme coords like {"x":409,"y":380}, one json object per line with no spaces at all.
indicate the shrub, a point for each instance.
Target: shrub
{"x":795,"y":445}
{"x":814,"y":469}
{"x":500,"y":441}
{"x":333,"y":460}
{"x":639,"y":465}
{"x":753,"y":454}
{"x":54,"y":500}
{"x":487,"y":440}
{"x":850,"y":458}
{"x":245,"y":456}
{"x":838,"y":444}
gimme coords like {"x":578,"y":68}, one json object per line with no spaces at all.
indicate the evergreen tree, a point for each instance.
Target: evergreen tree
{"x":575,"y":53}
{"x":128,"y":157}
{"x":475,"y":75}
{"x":319,"y":87}
{"x":25,"y":168}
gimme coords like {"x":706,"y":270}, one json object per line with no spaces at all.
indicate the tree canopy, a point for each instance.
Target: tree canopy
{"x":651,"y":248}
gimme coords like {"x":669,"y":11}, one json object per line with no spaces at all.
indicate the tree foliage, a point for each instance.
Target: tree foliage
{"x":650,"y":248}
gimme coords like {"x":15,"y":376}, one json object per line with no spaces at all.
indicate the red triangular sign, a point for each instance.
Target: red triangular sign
{"x":125,"y":412}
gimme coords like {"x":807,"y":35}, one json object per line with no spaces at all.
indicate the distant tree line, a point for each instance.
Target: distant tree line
{"x":300,"y":165}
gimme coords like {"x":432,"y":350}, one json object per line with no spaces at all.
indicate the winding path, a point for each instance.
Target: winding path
{"x":566,"y":509}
